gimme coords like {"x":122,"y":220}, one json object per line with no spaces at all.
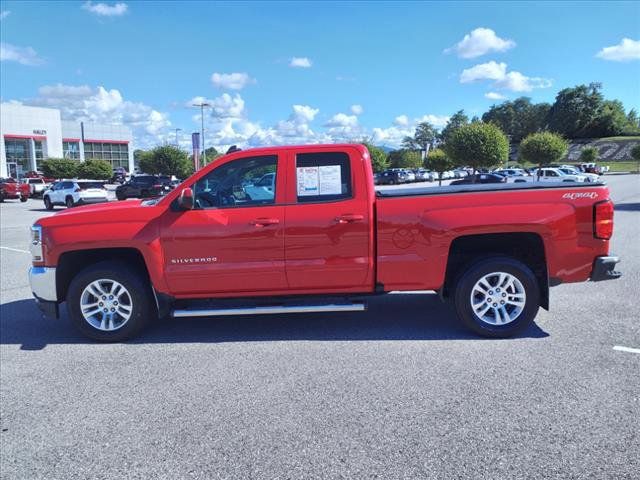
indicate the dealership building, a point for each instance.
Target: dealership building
{"x":29,"y":135}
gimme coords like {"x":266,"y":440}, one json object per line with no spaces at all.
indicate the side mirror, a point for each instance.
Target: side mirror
{"x":185,"y":200}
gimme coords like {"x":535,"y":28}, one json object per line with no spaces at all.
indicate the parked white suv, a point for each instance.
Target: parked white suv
{"x":75,"y":192}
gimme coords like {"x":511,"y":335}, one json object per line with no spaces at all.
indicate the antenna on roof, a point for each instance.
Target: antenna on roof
{"x":233,"y":148}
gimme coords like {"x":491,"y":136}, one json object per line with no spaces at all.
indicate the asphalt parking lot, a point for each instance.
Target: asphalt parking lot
{"x":401,"y":391}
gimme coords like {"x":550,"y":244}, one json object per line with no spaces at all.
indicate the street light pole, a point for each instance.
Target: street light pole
{"x":177,"y":130}
{"x":202,"y":105}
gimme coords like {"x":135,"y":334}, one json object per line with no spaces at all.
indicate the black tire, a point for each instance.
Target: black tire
{"x":144,"y":308}
{"x":69,"y":202}
{"x":47,"y":203}
{"x":23,"y":198}
{"x":466,"y":282}
{"x":120,"y":196}
{"x":1,"y":198}
{"x":392,"y":182}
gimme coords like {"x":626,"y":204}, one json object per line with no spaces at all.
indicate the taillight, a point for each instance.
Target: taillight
{"x":157,"y":186}
{"x":37,"y":254}
{"x":603,"y":220}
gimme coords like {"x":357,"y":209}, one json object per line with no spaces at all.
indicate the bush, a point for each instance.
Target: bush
{"x":478,"y":145}
{"x":635,"y":153}
{"x":438,"y":161}
{"x":378,"y":157}
{"x":60,"y":168}
{"x":543,"y":148}
{"x":589,"y":155}
{"x":405,"y":159}
{"x":166,"y":160}
{"x":95,"y":170}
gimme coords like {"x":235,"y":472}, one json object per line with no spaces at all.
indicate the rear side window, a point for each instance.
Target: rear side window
{"x":323,"y":177}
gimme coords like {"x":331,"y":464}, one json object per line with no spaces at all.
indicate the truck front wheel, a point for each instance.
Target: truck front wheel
{"x":497,"y":297}
{"x":110,"y":302}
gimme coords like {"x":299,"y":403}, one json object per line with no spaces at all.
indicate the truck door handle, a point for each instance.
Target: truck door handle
{"x":349,"y":218}
{"x":263,"y":222}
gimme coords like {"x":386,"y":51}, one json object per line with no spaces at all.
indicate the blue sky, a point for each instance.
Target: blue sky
{"x":308,"y":72}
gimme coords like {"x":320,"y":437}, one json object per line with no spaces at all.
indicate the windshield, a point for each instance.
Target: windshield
{"x":87,"y":185}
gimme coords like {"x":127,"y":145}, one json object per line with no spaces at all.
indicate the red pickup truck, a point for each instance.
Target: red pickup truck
{"x":10,"y":188}
{"x":315,"y":236}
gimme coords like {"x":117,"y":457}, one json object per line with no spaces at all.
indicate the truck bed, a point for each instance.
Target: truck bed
{"x":487,"y":187}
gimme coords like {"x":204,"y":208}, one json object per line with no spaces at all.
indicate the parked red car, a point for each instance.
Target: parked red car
{"x":11,"y":189}
{"x":319,"y":238}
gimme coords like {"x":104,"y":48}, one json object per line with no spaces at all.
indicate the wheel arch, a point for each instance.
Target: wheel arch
{"x":525,"y":247}
{"x":72,"y":262}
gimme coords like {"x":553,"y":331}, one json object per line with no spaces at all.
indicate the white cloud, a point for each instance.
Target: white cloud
{"x":484,"y":71}
{"x":497,"y":72}
{"x":479,"y":42}
{"x":626,"y":51}
{"x":105,"y":106}
{"x":357,"y":109}
{"x":342,"y":120}
{"x":401,"y":121}
{"x":494,"y":96}
{"x":437,"y":121}
{"x":22,"y":55}
{"x":105,"y":10}
{"x":304,"y":113}
{"x":231,"y":81}
{"x":300,"y":62}
{"x":404,"y":127}
{"x":517,"y":82}
{"x":4,"y":14}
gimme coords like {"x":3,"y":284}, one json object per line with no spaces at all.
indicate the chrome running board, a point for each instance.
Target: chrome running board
{"x":214,"y":312}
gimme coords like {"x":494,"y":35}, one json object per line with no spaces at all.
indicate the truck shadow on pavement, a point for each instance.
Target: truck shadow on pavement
{"x":392,"y":317}
{"x":627,"y":207}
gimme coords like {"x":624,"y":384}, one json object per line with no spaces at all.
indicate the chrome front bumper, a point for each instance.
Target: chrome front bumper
{"x":43,"y":283}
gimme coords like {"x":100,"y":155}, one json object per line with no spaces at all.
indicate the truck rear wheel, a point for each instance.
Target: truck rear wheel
{"x":110,"y":302}
{"x":497,"y":297}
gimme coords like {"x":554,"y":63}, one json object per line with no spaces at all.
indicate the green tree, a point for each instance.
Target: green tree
{"x":145,"y":162}
{"x":575,"y":110}
{"x":518,"y":118}
{"x":456,"y":121}
{"x":379,"y":160}
{"x":166,"y":160}
{"x":60,"y":168}
{"x":422,"y":139}
{"x":543,"y":148}
{"x":95,"y":170}
{"x":405,"y":159}
{"x":212,"y":155}
{"x":478,"y":145}
{"x":438,"y":161}
{"x":589,"y":155}
{"x":610,"y":121}
{"x":632,"y":126}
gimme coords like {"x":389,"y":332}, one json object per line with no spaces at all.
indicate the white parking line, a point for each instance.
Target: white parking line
{"x":626,"y":349}
{"x":15,"y":250}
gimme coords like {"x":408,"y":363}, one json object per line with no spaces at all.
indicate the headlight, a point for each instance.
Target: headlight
{"x":35,"y":246}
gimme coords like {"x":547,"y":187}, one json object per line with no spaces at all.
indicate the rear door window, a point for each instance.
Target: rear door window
{"x":323,"y":177}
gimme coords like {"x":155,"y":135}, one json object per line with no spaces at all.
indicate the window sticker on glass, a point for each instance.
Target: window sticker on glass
{"x":330,"y":180}
{"x":308,"y":181}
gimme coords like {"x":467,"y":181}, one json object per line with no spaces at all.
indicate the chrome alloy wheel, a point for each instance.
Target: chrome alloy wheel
{"x":106,"y":305}
{"x":498,"y":298}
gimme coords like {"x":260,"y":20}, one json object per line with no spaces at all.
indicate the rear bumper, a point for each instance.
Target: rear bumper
{"x":43,"y":287}
{"x":604,"y":269}
{"x":90,"y":201}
